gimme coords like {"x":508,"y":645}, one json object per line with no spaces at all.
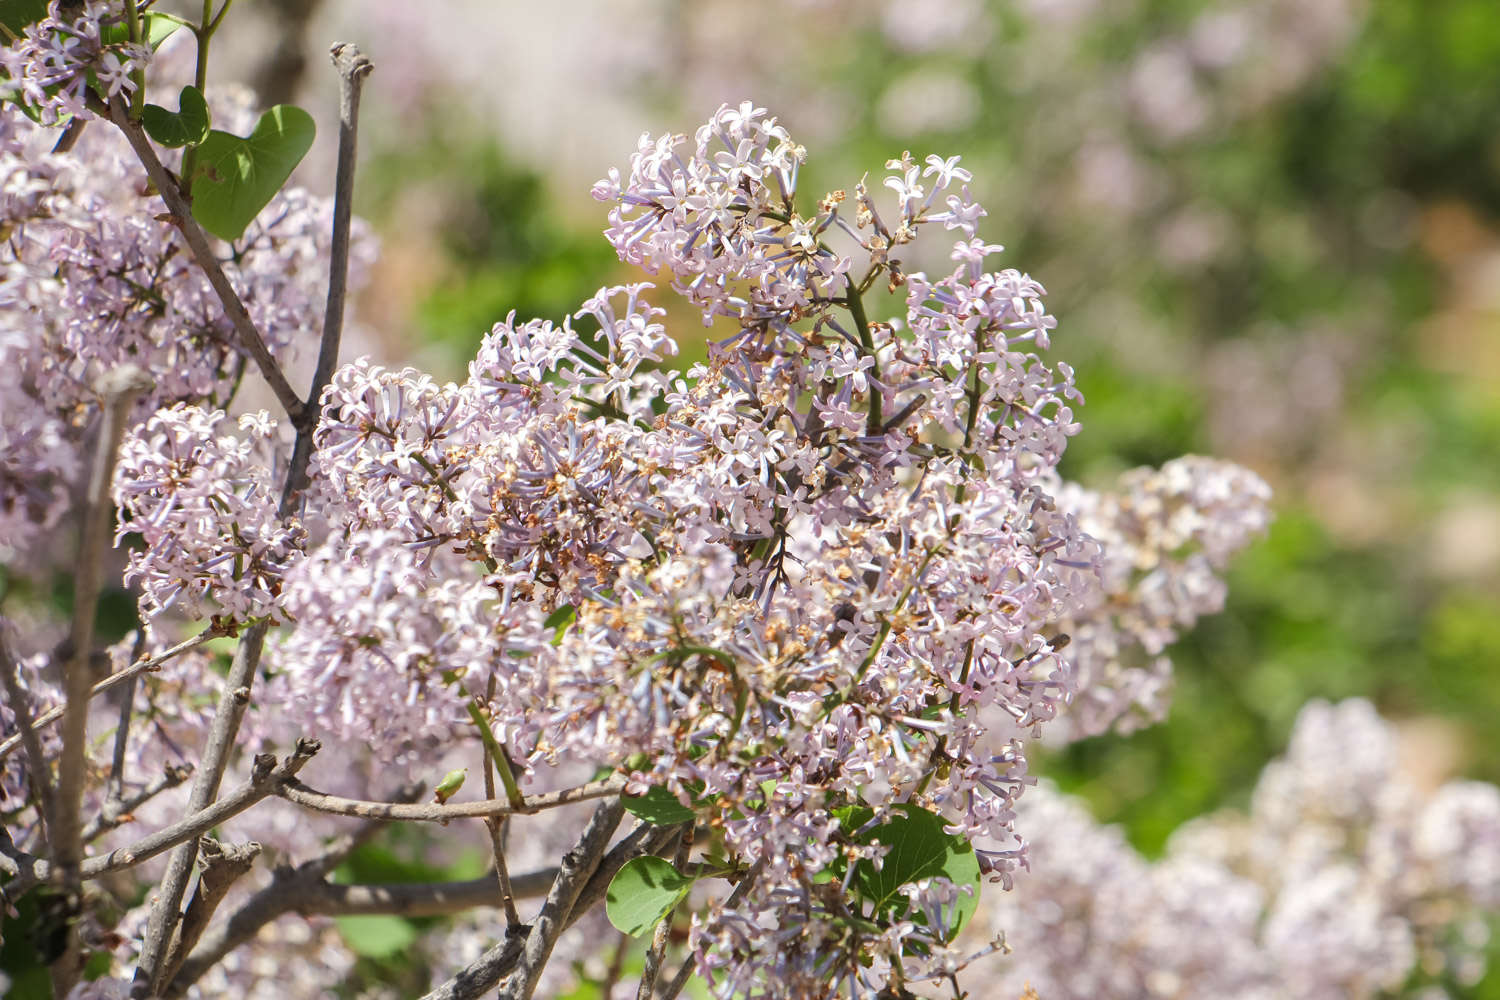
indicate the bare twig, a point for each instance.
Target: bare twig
{"x":578,"y":865}
{"x":353,"y":68}
{"x":432,"y":812}
{"x":115,"y":788}
{"x":494,"y":965}
{"x":118,"y":811}
{"x":181,"y":215}
{"x":263,"y":782}
{"x":290,"y":889}
{"x":118,"y":389}
{"x":114,"y":680}
{"x":221,"y":869}
{"x":496,"y":827}
{"x":37,"y":771}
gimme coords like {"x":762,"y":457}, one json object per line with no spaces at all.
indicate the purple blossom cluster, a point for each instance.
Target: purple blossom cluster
{"x":379,"y":635}
{"x":1167,"y":535}
{"x":832,"y":566}
{"x":204,"y":504}
{"x":1344,"y":879}
{"x":63,"y":58}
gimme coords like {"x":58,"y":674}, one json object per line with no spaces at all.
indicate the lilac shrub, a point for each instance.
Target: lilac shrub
{"x":1343,"y":879}
{"x":796,"y":608}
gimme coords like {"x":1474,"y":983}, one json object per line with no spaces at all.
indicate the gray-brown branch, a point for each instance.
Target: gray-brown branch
{"x":118,"y":390}
{"x":264,"y":780}
{"x":432,"y":812}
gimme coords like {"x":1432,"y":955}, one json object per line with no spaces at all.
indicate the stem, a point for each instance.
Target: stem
{"x":577,"y":866}
{"x":119,"y":389}
{"x":496,"y":827}
{"x":431,"y":812}
{"x":353,"y":67}
{"x":498,"y":755}
{"x":856,"y":304}
{"x":119,"y":810}
{"x":221,"y":869}
{"x":138,"y":75}
{"x":38,"y":773}
{"x":197,"y":240}
{"x":116,"y":785}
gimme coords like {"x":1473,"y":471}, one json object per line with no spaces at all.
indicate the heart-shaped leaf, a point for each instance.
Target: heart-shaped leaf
{"x":236,"y":177}
{"x":643,"y":892}
{"x":187,"y":126}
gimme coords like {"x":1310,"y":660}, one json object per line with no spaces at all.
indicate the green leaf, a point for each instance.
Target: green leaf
{"x":919,"y":849}
{"x":642,"y":893}
{"x":157,"y":24}
{"x":559,"y":622}
{"x":17,"y":15}
{"x":376,"y":935}
{"x":236,"y":177}
{"x":187,"y":126}
{"x":661,"y":807}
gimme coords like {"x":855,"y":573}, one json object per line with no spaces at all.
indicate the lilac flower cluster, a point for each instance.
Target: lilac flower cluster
{"x":797,"y":567}
{"x":1167,"y":535}
{"x":58,"y":61}
{"x":1342,"y":880}
{"x":379,"y":635}
{"x":830,"y":567}
{"x":205,"y":505}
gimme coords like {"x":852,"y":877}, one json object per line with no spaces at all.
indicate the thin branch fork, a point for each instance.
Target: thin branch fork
{"x":116,"y":679}
{"x":484,"y":973}
{"x":287,"y":885}
{"x":222,"y":867}
{"x":265,"y":779}
{"x":117,"y":811}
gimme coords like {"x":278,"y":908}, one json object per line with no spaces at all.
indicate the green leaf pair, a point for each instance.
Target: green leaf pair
{"x":234,"y":178}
